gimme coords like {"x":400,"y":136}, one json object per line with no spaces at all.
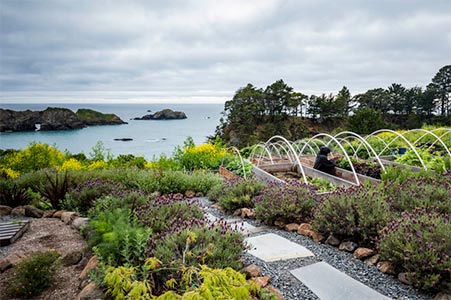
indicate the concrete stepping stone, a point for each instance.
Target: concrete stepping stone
{"x":272,"y":247}
{"x":329,"y":283}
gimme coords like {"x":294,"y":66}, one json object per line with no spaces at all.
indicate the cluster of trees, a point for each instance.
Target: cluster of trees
{"x":254,"y":113}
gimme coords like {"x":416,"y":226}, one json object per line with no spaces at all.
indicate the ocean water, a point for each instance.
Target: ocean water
{"x":150,"y":137}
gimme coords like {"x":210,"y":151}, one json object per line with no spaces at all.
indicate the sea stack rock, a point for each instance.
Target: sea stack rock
{"x":92,"y":118}
{"x":165,"y":114}
{"x":11,"y":120}
{"x":54,"y":118}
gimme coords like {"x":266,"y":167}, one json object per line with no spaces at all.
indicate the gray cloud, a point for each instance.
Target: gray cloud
{"x":208,"y":49}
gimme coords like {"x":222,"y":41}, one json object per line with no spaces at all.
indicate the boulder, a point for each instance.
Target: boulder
{"x":79,"y":222}
{"x":190,"y":194}
{"x":275,"y":292}
{"x":199,"y":194}
{"x":68,"y":217}
{"x":165,"y":114}
{"x":279,"y":223}
{"x":11,"y":120}
{"x":49,"y":213}
{"x":347,"y":246}
{"x":71,"y":258}
{"x":248,"y":213}
{"x":18,"y":211}
{"x":305,"y":229}
{"x":316,"y":237}
{"x":252,"y":271}
{"x":54,"y":118}
{"x":386,"y":267}
{"x":372,"y":261}
{"x":5,"y":210}
{"x":58,"y":214}
{"x":10,"y":261}
{"x":362,"y":252}
{"x":92,"y":263}
{"x":333,"y":241}
{"x":292,"y":227}
{"x":261,"y":281}
{"x":91,"y":292}
{"x":34,"y":212}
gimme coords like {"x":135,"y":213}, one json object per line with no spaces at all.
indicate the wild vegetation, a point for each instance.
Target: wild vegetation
{"x":256,"y":114}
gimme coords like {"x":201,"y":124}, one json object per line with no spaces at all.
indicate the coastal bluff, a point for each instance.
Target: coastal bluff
{"x":165,"y":114}
{"x":54,"y":118}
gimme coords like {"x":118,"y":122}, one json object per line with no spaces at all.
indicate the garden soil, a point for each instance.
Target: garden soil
{"x":42,"y":235}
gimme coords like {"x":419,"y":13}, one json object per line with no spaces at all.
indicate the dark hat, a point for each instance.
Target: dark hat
{"x":324,"y":150}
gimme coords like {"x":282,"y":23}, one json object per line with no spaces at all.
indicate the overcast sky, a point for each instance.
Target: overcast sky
{"x":203,"y":51}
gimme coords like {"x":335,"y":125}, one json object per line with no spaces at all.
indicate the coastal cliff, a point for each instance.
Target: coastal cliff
{"x":54,"y":118}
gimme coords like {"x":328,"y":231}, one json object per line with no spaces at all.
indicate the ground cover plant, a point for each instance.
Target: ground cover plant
{"x":33,"y":274}
{"x":291,"y":202}
{"x":236,"y":193}
{"x":357,"y":213}
{"x":418,"y":243}
{"x":367,"y":168}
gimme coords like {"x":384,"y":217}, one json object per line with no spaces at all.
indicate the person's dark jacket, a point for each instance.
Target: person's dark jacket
{"x":322,"y":163}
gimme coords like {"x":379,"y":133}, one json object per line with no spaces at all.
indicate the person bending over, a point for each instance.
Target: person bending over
{"x":322,"y":163}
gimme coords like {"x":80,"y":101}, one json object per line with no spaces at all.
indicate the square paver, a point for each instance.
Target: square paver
{"x":329,"y":283}
{"x":272,"y":247}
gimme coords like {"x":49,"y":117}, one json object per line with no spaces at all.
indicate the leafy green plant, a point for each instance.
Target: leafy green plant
{"x":356,"y":212}
{"x":321,"y":184}
{"x":238,"y":193}
{"x":292,"y":202}
{"x":236,"y":167}
{"x":418,"y":243}
{"x":33,"y":274}
{"x":118,"y":238}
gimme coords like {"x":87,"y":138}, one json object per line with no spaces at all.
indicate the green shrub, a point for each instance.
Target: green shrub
{"x":35,"y":157}
{"x":128,"y":199}
{"x":33,"y":274}
{"x":431,"y":192}
{"x":166,"y":214}
{"x":118,"y":238}
{"x":204,"y":156}
{"x":82,"y":197}
{"x":356,"y":212}
{"x":128,"y":160}
{"x":292,"y":202}
{"x":217,"y":246}
{"x":419,"y":243}
{"x":238,"y":193}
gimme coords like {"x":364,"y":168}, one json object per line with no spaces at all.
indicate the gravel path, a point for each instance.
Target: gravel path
{"x":293,"y":289}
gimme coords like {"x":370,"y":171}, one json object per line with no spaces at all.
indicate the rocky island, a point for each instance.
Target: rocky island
{"x":54,"y":118}
{"x":165,"y":114}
